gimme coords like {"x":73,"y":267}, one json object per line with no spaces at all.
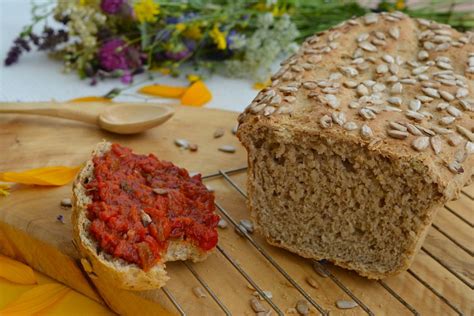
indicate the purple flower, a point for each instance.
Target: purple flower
{"x":112,"y":55}
{"x":111,"y":6}
{"x":127,"y":77}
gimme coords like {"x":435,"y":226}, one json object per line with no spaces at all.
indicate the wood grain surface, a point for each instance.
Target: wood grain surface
{"x":439,"y":282}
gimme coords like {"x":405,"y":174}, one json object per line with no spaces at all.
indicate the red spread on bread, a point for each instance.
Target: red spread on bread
{"x":140,"y":203}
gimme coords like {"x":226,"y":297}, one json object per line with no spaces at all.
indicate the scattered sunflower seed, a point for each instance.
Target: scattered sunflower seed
{"x":362,"y":90}
{"x":447,"y":120}
{"x":350,"y":126}
{"x":227,"y":149}
{"x":302,"y":307}
{"x":343,"y":304}
{"x":414,"y":115}
{"x":382,"y":68}
{"x":436,"y":144}
{"x":470,"y":148}
{"x":395,"y":100}
{"x":199,"y":292}
{"x":219,"y":132}
{"x":317,"y":268}
{"x":465,"y":132}
{"x":161,"y":191}
{"x":268,"y":294}
{"x":66,"y":202}
{"x":239,"y":229}
{"x":366,"y":132}
{"x":183,"y":143}
{"x":222,"y":223}
{"x":462,"y":93}
{"x":312,"y":282}
{"x":367,"y":46}
{"x":256,"y":305}
{"x":193,"y":147}
{"x":146,"y":219}
{"x":397,"y":134}
{"x":397,"y":126}
{"x":248,"y":225}
{"x":423,"y":55}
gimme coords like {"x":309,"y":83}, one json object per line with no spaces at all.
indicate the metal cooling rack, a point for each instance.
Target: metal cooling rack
{"x":320,"y":266}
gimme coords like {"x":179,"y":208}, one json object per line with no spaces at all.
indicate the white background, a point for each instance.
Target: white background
{"x":39,"y":78}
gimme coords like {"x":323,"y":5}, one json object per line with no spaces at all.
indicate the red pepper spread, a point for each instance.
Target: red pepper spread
{"x":140,"y":203}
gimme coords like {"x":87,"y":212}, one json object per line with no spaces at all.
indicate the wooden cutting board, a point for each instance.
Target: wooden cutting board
{"x":439,"y":282}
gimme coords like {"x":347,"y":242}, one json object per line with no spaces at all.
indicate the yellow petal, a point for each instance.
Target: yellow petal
{"x":16,"y":271}
{"x":4,"y":189}
{"x":90,"y":99}
{"x":42,"y":176}
{"x":196,"y":95}
{"x":262,"y":85}
{"x":163,"y":91}
{"x":35,"y":300}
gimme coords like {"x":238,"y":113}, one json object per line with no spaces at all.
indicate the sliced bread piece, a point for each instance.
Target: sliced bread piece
{"x":105,"y":265}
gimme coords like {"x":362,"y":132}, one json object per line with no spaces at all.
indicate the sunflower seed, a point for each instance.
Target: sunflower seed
{"x":397,"y":134}
{"x":199,"y":292}
{"x":455,"y":167}
{"x":222,"y":223}
{"x":465,"y":132}
{"x":414,"y":105}
{"x":288,"y":89}
{"x":447,"y":120}
{"x":467,"y":105}
{"x":423,"y":77}
{"x":378,"y":87}
{"x":382,"y":68}
{"x":183,"y":143}
{"x":325,"y":121}
{"x":396,"y":88}
{"x":269,"y":110}
{"x":367,"y":46}
{"x":397,"y":126}
{"x":370,"y":19}
{"x":420,"y":70}
{"x":161,"y":191}
{"x":415,"y":115}
{"x":394,"y":32}
{"x":441,"y":130}
{"x":413,"y":130}
{"x":334,"y":76}
{"x":260,"y":297}
{"x":350,"y":84}
{"x":367,"y":114}
{"x":332,"y":101}
{"x":350,"y":126}
{"x":362,"y":90}
{"x":227,"y":149}
{"x":66,"y":202}
{"x":315,"y":59}
{"x":444,"y":65}
{"x":366,"y":132}
{"x":389,"y":108}
{"x":446,"y":95}
{"x":436,"y":144}
{"x":454,"y":111}
{"x":219,"y":132}
{"x":349,"y":71}
{"x":257,"y":306}
{"x":420,"y":143}
{"x":343,"y":304}
{"x":393,"y":79}
{"x":312,"y":282}
{"x":431,"y":92}
{"x":289,"y":99}
{"x":354,"y":105}
{"x":145,"y":218}
{"x":423,"y":55}
{"x":339,"y":118}
{"x":454,"y":139}
{"x":469,"y":148}
{"x":408,"y":81}
{"x":425,"y":130}
{"x":247,"y":224}
{"x":302,"y":307}
{"x":442,"y":106}
{"x":462,"y":93}
{"x":395,"y":100}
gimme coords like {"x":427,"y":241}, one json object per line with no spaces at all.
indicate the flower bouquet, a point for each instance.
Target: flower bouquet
{"x":121,"y":38}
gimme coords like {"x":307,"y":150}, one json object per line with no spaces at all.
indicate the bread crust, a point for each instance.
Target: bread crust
{"x":115,"y":271}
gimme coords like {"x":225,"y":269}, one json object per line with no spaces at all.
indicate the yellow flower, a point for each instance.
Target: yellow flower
{"x":194,"y":32}
{"x":400,"y":4}
{"x":218,"y":37}
{"x":146,"y":10}
{"x":180,"y":27}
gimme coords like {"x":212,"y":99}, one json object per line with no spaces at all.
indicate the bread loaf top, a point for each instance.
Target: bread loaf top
{"x":403,"y":87}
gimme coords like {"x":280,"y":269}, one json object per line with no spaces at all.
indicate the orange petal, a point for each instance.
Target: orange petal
{"x":196,"y":95}
{"x":35,"y":300}
{"x":90,"y":99}
{"x":16,"y":271}
{"x":163,"y":91}
{"x":42,"y":176}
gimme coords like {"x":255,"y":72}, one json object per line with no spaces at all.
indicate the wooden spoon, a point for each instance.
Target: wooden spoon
{"x":120,"y":118}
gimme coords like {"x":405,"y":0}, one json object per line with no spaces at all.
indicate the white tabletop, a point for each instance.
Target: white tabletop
{"x":39,"y":78}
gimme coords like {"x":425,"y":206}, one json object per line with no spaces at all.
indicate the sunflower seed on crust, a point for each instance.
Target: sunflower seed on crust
{"x":423,"y":55}
{"x":362,"y":90}
{"x":397,"y":126}
{"x":312,"y":282}
{"x":394,"y":32}
{"x":219,"y":132}
{"x":183,"y":143}
{"x":350,"y":126}
{"x":431,"y":92}
{"x":325,"y":121}
{"x":420,"y":143}
{"x":415,"y":115}
{"x":397,"y":134}
{"x":366,"y":132}
{"x":454,"y":111}
{"x":462,"y":93}
{"x":465,"y":132}
{"x":447,"y":120}
{"x":415,"y":105}
{"x":367,"y":46}
{"x":367,"y":114}
{"x":469,"y":148}
{"x":441,"y":130}
{"x":413,"y":130}
{"x":425,"y":130}
{"x":460,"y":155}
{"x":339,"y":118}
{"x":455,"y":167}
{"x":436,"y":144}
{"x":454,"y":139}
{"x":395,"y":100}
{"x":66,"y":202}
{"x":397,"y":88}
{"x":446,"y":95}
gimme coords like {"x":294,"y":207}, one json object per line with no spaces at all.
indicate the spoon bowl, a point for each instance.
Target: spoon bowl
{"x":133,"y":118}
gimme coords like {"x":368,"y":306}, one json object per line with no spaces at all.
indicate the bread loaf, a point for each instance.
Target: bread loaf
{"x":115,"y":270}
{"x":362,"y":135}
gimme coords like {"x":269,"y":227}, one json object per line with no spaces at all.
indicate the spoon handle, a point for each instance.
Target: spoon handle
{"x":78,"y":112}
